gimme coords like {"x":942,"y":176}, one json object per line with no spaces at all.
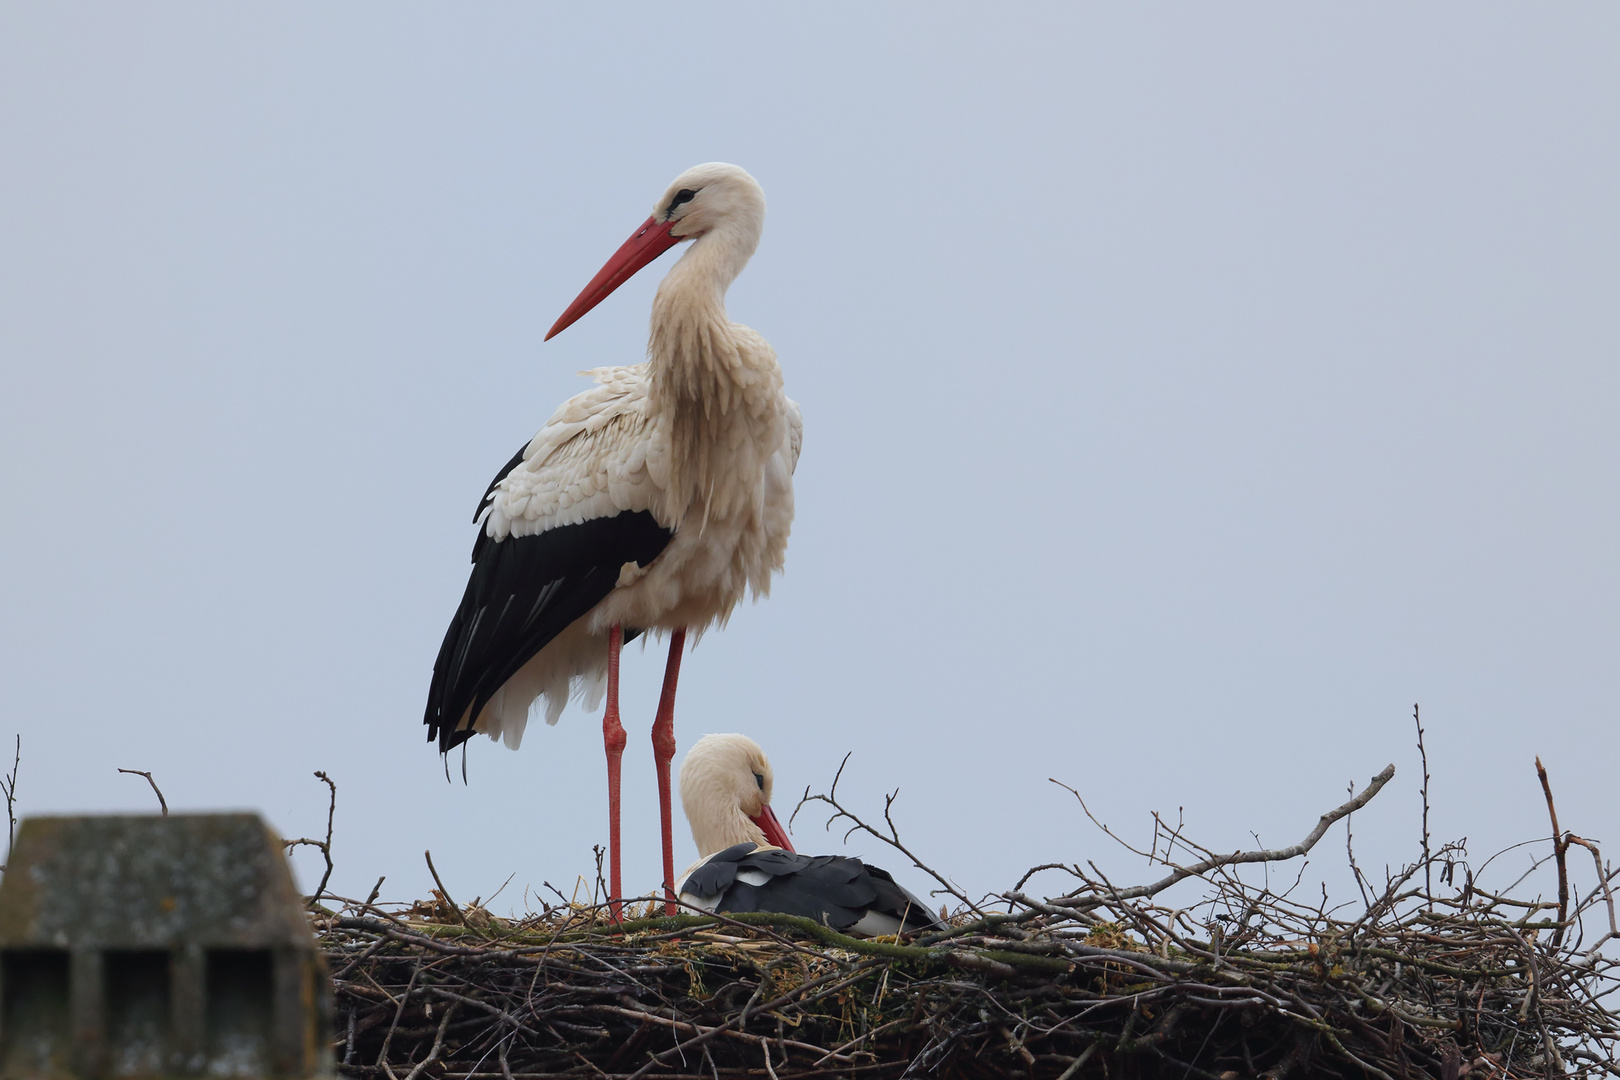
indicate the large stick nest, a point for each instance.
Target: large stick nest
{"x":1430,"y":976}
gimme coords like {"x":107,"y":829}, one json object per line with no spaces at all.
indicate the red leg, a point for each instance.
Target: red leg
{"x":663,"y":740}
{"x":613,"y":738}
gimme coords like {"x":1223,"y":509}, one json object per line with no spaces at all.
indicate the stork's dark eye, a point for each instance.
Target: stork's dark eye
{"x":759,"y":778}
{"x":685,"y":195}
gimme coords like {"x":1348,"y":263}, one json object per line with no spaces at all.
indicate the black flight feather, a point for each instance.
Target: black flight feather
{"x":830,"y":889}
{"x":523,"y":592}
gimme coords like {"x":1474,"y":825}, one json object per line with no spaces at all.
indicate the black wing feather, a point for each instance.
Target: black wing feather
{"x":827,"y":889}
{"x":523,"y":592}
{"x":830,"y":889}
{"x":900,"y":901}
{"x":717,"y":875}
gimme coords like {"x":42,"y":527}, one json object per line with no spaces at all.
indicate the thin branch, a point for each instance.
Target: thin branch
{"x":497,"y":892}
{"x":443,"y":892}
{"x":1603,"y":883}
{"x":1032,"y":871}
{"x":8,"y":784}
{"x":399,"y":1011}
{"x":323,"y":846}
{"x":1560,"y":846}
{"x":1350,"y":853}
{"x":162,"y":802}
{"x":438,"y":1044}
{"x":1423,"y":755}
{"x":892,"y":839}
{"x":1272,"y":855}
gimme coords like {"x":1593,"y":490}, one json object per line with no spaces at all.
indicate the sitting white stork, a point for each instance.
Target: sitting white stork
{"x":747,"y":862}
{"x":650,"y":503}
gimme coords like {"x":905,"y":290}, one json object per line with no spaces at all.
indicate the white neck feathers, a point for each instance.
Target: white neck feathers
{"x":715,"y":383}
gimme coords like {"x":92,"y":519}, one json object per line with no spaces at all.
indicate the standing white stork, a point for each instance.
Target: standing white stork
{"x":652,"y":502}
{"x":747,"y":863}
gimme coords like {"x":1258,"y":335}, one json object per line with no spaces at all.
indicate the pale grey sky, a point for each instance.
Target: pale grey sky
{"x":1187,"y":391}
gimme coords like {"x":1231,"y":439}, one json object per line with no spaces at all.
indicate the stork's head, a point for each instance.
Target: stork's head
{"x":712,"y":196}
{"x":715,"y":198}
{"x":726,"y":785}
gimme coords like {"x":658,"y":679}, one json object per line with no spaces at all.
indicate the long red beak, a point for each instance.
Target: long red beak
{"x":773,"y":829}
{"x":644,"y":245}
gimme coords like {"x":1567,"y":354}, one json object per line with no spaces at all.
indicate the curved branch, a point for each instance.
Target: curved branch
{"x":162,"y":802}
{"x":1181,"y":873}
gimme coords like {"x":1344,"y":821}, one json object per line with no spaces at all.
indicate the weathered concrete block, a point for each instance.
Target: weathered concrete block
{"x":157,"y":946}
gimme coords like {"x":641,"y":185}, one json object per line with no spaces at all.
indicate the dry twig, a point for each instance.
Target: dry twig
{"x":163,"y":803}
{"x":1560,"y":849}
{"x":1238,"y":858}
{"x":323,"y":846}
{"x":892,"y":838}
{"x":444,"y":893}
{"x":1423,"y":757}
{"x":8,"y":784}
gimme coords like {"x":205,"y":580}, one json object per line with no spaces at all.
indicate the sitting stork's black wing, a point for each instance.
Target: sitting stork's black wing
{"x":523,"y":592}
{"x":832,"y":890}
